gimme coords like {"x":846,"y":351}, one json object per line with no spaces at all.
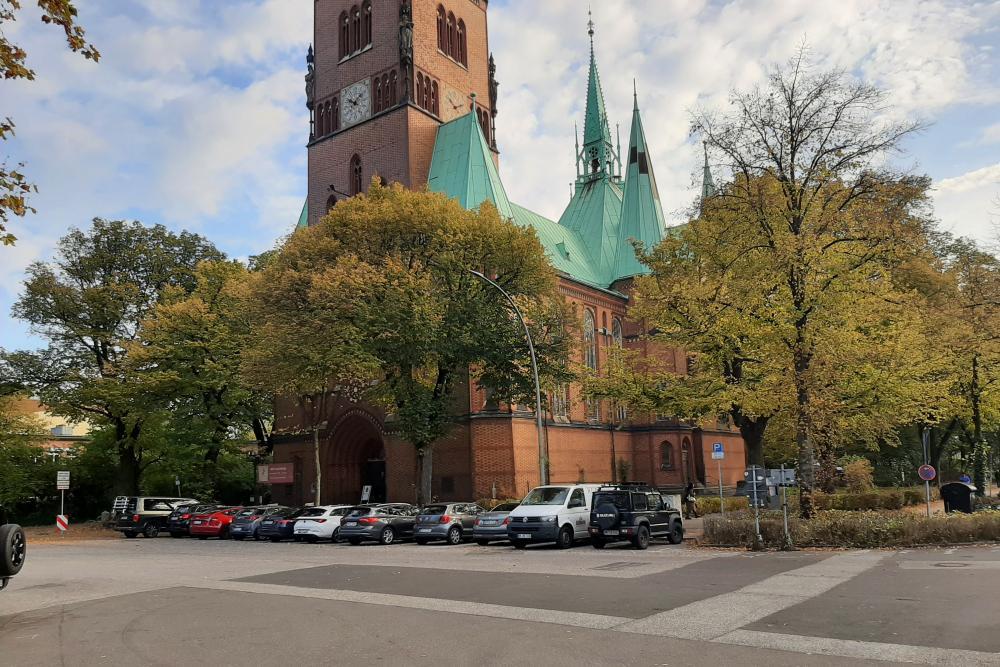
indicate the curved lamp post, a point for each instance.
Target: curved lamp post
{"x":542,"y":445}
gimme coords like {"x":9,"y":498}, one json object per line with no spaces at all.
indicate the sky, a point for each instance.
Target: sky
{"x":195,"y":115}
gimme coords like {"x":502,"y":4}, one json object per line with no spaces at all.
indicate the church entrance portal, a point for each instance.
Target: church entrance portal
{"x":355,"y":457}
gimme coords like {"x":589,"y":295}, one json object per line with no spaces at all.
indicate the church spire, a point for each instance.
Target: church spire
{"x":598,"y":155}
{"x":642,"y":213}
{"x":707,"y":184}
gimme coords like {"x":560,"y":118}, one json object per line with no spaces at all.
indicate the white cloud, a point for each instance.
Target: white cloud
{"x":991,"y":134}
{"x":969,"y":204}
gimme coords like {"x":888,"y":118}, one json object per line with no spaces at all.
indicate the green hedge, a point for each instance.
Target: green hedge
{"x":712,"y":505}
{"x":876,"y":499}
{"x":858,"y":529}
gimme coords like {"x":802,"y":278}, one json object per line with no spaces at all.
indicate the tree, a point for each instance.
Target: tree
{"x":14,"y":186}
{"x":19,"y":437}
{"x":818,"y":209}
{"x":378,"y":297}
{"x":89,"y":304}
{"x":188,"y":354}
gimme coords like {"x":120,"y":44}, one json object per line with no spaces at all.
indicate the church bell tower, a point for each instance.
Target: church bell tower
{"x":382,"y":77}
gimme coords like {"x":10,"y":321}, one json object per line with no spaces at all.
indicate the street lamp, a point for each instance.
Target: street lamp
{"x":542,"y":446}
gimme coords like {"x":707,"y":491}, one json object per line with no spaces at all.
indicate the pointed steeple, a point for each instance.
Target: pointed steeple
{"x":642,"y":213}
{"x":598,"y":155}
{"x":707,"y":184}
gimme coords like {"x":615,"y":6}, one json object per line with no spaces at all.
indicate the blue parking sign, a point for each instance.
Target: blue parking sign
{"x":717,"y":451}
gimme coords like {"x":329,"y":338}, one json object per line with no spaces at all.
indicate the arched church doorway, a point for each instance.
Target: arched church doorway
{"x":355,"y":458}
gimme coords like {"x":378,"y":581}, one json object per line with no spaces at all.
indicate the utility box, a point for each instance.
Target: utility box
{"x":957,"y":497}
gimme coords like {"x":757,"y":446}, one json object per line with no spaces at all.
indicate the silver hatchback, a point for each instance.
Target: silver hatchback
{"x":451,"y":522}
{"x":492,"y":525}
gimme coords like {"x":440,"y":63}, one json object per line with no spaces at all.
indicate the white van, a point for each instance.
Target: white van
{"x":556,"y":513}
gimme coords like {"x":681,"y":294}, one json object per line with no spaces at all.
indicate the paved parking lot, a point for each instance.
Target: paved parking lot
{"x":178,"y":602}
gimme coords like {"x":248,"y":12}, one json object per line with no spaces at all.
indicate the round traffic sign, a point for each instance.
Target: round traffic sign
{"x":927,"y":472}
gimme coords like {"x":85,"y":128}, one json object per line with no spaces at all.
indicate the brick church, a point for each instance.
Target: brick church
{"x":406,"y":91}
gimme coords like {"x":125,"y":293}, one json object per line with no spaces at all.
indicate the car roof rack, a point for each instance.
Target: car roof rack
{"x":625,"y":485}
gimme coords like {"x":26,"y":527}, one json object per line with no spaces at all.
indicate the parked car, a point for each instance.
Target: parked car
{"x":179,"y":521}
{"x":148,"y":516}
{"x":492,"y":524}
{"x":247,"y":521}
{"x":554,"y":513}
{"x":634,"y":512}
{"x":213,"y":523}
{"x":451,"y":522}
{"x":13,"y":551}
{"x":280,"y":524}
{"x":321,"y":523}
{"x":384,"y":523}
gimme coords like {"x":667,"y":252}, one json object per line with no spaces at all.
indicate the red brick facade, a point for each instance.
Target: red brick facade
{"x":490,"y":451}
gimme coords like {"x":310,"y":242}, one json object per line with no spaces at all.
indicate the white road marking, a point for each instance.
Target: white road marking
{"x":716,"y":616}
{"x":570,"y":618}
{"x":858,"y":650}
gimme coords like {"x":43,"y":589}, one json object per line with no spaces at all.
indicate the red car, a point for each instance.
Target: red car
{"x":213,"y":524}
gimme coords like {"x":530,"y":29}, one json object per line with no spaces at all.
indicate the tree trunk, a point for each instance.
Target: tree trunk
{"x":319,"y":470}
{"x":803,"y":439}
{"x":979,"y":447}
{"x":827,"y":474}
{"x":752,"y":430}
{"x":424,"y":473}
{"x":129,"y":471}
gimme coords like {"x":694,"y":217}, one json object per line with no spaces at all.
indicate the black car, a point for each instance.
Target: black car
{"x":634,"y":512}
{"x":279,"y":524}
{"x":179,"y":521}
{"x":13,"y":549}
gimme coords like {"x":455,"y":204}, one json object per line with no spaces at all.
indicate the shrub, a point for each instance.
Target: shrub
{"x":859,"y":475}
{"x":840,"y":528}
{"x":489,"y":503}
{"x":712,"y":505}
{"x":913,"y":496}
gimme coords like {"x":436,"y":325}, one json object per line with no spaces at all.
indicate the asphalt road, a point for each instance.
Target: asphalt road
{"x":188,"y":602}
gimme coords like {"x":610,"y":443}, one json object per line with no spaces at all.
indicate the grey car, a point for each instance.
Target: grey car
{"x":247,"y":521}
{"x":492,"y":524}
{"x":384,"y":523}
{"x":451,"y":522}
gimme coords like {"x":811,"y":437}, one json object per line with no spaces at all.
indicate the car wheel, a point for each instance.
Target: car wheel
{"x":387,"y":536}
{"x":130,"y":533}
{"x":565,"y":538}
{"x":354,"y":540}
{"x":335,"y":538}
{"x":676,"y":535}
{"x":519,"y":544}
{"x":597,"y":543}
{"x":150,"y":530}
{"x":13,"y":549}
{"x":483,"y":543}
{"x":224,"y":533}
{"x":454,"y":535}
{"x":641,"y":540}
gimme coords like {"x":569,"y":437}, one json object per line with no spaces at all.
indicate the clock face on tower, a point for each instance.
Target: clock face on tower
{"x":455,"y":105}
{"x":355,"y":103}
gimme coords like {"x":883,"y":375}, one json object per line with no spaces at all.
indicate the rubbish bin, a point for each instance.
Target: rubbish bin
{"x":957,"y":496}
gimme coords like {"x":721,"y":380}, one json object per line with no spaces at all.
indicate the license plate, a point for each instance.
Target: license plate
{"x":611,"y":532}
{"x":351,"y":523}
{"x":488,"y":523}
{"x":425,"y":530}
{"x":268,"y":523}
{"x":524,"y":536}
{"x":198,"y":523}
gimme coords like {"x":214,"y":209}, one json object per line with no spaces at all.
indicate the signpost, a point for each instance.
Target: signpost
{"x":62,"y":483}
{"x":366,"y":493}
{"x":756,"y":509}
{"x":926,"y":471}
{"x":718,"y":453}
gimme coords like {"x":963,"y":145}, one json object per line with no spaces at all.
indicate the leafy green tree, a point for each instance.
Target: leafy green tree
{"x":19,"y":453}
{"x":89,"y":304}
{"x":379,"y":297}
{"x":822,"y":219}
{"x":14,"y":186}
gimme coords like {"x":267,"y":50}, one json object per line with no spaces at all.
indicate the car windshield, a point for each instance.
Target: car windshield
{"x":250,"y":511}
{"x":360,"y":511}
{"x":275,"y":510}
{"x":435,"y":509}
{"x":547,"y":495}
{"x":314,"y":511}
{"x":617,"y":498}
{"x":233,"y":511}
{"x":505,"y":507}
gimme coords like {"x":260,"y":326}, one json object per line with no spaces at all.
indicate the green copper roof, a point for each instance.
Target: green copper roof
{"x":594,"y":214}
{"x":707,"y":183}
{"x":565,"y":249}
{"x":597,"y":144}
{"x":462,"y":166}
{"x":642,"y":215}
{"x":303,"y":216}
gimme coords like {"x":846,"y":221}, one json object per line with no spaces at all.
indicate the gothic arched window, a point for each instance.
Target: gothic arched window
{"x":345,"y":35}
{"x":484,"y":123}
{"x":426,"y":104}
{"x":355,"y":29}
{"x":666,"y":455}
{"x":450,"y":44}
{"x":391,"y":87}
{"x":356,"y":174}
{"x":618,"y":340}
{"x":420,"y":89}
{"x":378,"y":95}
{"x":460,"y":43}
{"x":441,"y":29}
{"x":334,"y":112}
{"x":321,"y":121}
{"x":434,"y":98}
{"x":366,"y":11}
{"x":589,"y":340}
